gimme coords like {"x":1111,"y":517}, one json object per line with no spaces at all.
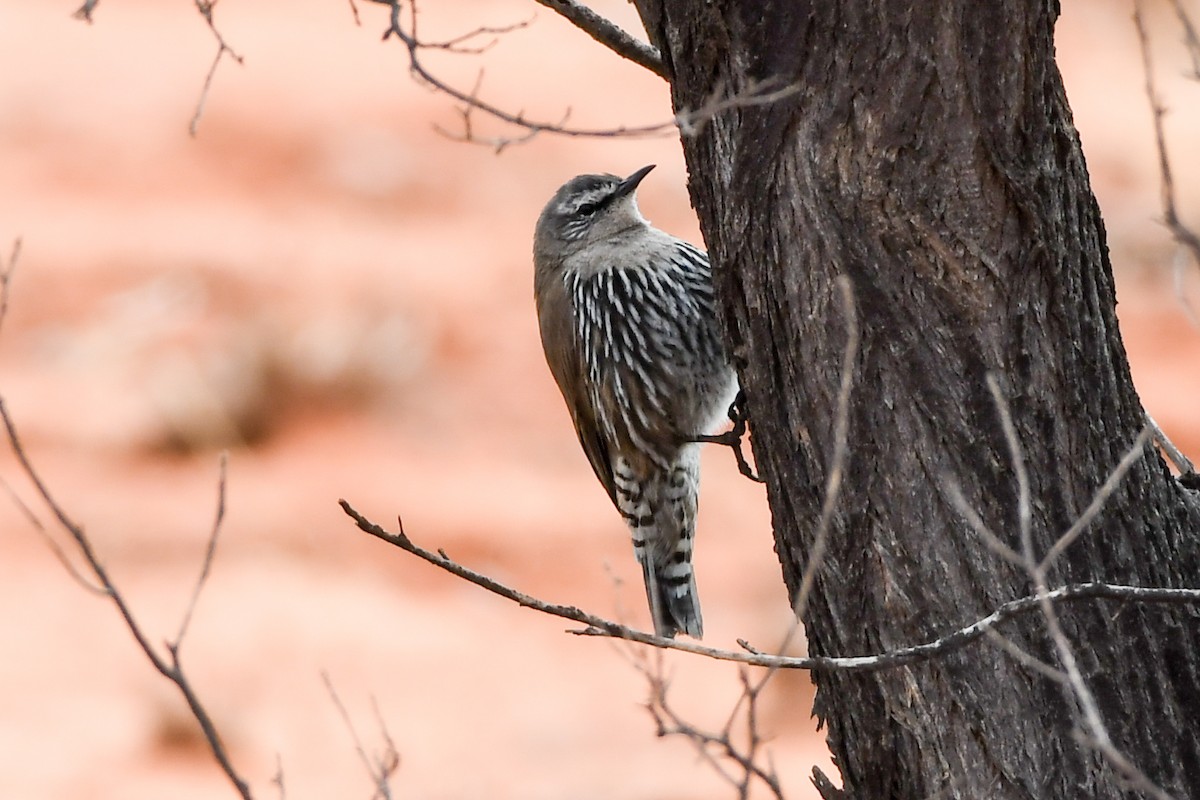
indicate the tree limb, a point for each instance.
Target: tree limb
{"x":171,"y":669}
{"x":598,"y":626}
{"x":609,"y":34}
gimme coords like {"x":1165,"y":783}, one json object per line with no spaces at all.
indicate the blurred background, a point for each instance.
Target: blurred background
{"x":340,"y":296}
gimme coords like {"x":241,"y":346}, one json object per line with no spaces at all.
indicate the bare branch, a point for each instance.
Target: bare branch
{"x":1176,"y":456}
{"x":608,"y":34}
{"x":1190,"y":40}
{"x":458,"y":44}
{"x":409,"y":37}
{"x":54,"y":546}
{"x":715,"y":747}
{"x":1134,"y":454}
{"x":384,"y":767}
{"x":209,"y":552}
{"x":172,"y":671}
{"x":1024,"y":505}
{"x":1184,"y":235}
{"x":687,"y":121}
{"x":205,"y":7}
{"x":841,"y":437}
{"x":1075,"y":686}
{"x":1023,"y":658}
{"x":598,"y":626}
{"x":466,"y":112}
{"x":976,"y":522}
{"x":757,"y":93}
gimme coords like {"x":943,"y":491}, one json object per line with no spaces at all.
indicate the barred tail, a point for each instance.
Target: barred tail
{"x":674,"y":602}
{"x":660,"y":510}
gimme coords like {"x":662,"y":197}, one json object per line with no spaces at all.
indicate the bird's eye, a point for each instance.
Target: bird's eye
{"x":587,"y":209}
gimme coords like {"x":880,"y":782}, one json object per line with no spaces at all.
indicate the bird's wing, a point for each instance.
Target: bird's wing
{"x":561,"y":345}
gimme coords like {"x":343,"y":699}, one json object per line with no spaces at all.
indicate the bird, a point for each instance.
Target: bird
{"x":630,"y":332}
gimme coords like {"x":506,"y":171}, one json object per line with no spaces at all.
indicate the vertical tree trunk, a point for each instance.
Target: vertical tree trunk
{"x":928,"y":154}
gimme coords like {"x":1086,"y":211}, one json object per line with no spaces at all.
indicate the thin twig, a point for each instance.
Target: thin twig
{"x":409,"y":38}
{"x":756,"y":93}
{"x":172,"y":670}
{"x":1191,"y":40}
{"x":598,"y":626}
{"x":1173,"y":453}
{"x":1024,"y":658}
{"x":990,"y":539}
{"x":209,"y":551}
{"x":382,"y":770}
{"x":205,"y":7}
{"x":1024,"y":504}
{"x":715,"y":747}
{"x":6,"y":273}
{"x":841,"y":449}
{"x":1133,"y":455}
{"x":1096,"y":731}
{"x":609,"y":34}
{"x":458,"y":44}
{"x":54,"y":546}
{"x":1182,"y":234}
{"x":687,"y":121}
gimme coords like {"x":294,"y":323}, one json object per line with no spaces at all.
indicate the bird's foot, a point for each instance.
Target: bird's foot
{"x":732,"y":438}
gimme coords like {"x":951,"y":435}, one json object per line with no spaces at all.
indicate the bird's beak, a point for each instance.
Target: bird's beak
{"x":627,"y":186}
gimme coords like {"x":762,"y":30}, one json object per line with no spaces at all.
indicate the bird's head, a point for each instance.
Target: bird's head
{"x":586,"y":210}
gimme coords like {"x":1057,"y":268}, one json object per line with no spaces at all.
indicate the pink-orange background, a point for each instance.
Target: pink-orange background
{"x":339,"y":295}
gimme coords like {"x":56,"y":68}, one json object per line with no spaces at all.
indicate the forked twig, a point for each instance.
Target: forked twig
{"x":1095,"y":733}
{"x":1182,"y":234}
{"x":380,"y":769}
{"x":715,"y":747}
{"x":688,"y":122}
{"x":171,"y":669}
{"x":205,"y":7}
{"x":408,"y":36}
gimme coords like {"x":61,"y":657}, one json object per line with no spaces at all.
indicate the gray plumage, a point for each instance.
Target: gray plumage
{"x":630,"y":332}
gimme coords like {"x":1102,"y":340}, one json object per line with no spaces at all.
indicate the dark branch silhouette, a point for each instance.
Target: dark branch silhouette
{"x":205,"y":7}
{"x":168,"y":666}
{"x":1190,"y":39}
{"x":608,"y":34}
{"x":1182,"y":234}
{"x":408,"y":35}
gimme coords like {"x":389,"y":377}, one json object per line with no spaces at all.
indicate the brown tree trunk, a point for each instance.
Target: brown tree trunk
{"x":928,"y":154}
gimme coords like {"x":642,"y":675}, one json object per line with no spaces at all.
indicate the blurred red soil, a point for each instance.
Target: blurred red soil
{"x":324,"y":285}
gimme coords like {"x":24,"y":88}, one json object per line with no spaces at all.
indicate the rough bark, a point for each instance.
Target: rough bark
{"x":929,"y":155}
